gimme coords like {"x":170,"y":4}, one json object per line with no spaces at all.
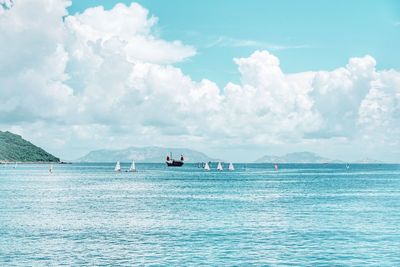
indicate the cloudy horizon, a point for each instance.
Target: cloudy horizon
{"x":76,"y":78}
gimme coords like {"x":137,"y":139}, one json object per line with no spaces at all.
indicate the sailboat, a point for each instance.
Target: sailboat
{"x":219,"y":167}
{"x":231,"y":168}
{"x":276,"y":167}
{"x":207,"y":167}
{"x":117,"y":167}
{"x":15,"y":166}
{"x":51,"y":168}
{"x":133,"y":167}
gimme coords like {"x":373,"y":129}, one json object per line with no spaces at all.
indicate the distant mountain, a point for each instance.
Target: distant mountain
{"x":14,"y":148}
{"x":368,"y":160}
{"x":143,"y":154}
{"x":297,"y":157}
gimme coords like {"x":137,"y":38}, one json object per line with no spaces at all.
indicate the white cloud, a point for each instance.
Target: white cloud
{"x":104,"y":78}
{"x":127,"y":28}
{"x":269,"y":106}
{"x":338,"y":94}
{"x":33,"y":60}
{"x":379,"y":112}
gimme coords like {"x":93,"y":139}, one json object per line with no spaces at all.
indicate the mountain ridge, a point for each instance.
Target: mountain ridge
{"x":147,"y":154}
{"x":296,"y":157}
{"x":310,"y":157}
{"x":13,"y":148}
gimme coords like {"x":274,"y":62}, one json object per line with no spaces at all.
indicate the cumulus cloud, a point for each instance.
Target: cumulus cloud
{"x":105,"y":78}
{"x":379,"y":112}
{"x":268,"y":102}
{"x":338,"y":95}
{"x":128,"y":29}
{"x":33,"y":61}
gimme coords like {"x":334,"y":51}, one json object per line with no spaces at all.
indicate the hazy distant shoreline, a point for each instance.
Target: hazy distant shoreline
{"x":33,"y":162}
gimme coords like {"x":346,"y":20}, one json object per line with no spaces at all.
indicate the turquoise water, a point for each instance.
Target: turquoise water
{"x":308,"y":215}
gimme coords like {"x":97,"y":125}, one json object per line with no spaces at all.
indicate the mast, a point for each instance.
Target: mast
{"x":231,"y":167}
{"x":117,"y":167}
{"x":133,"y":166}
{"x":219,"y":167}
{"x":206,"y":167}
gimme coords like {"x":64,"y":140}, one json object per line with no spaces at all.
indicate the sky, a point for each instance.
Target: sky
{"x":234,"y":79}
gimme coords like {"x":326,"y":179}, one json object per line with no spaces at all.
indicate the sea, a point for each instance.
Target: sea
{"x":299,"y":215}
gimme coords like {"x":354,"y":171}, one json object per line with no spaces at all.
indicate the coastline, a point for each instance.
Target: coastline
{"x":33,"y":162}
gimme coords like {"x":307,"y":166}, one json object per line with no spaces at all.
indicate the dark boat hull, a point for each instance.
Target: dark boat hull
{"x":174,"y":163}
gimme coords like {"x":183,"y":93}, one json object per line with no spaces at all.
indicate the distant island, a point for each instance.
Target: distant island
{"x":368,"y":161}
{"x":13,"y":148}
{"x":307,"y":157}
{"x":150,"y":154}
{"x":297,"y":157}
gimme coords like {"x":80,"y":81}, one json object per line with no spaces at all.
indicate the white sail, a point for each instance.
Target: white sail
{"x":133,"y":167}
{"x":231,"y":167}
{"x":206,"y":167}
{"x":51,"y":168}
{"x":219,"y":167}
{"x":117,"y":167}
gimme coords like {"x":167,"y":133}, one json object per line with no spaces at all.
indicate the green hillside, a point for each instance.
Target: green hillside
{"x":14,"y":148}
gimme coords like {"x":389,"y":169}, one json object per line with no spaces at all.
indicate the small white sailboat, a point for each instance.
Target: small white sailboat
{"x":15,"y":166}
{"x":51,"y":168}
{"x":219,"y":167}
{"x":207,"y":167}
{"x":117,"y":167}
{"x":231,"y":167}
{"x":133,"y":167}
{"x":276,"y":167}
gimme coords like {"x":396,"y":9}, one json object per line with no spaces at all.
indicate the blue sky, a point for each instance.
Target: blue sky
{"x":305,"y":35}
{"x":234,"y":79}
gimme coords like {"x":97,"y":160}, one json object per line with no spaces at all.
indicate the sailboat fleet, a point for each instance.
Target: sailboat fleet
{"x":206,"y":167}
{"x":132,"y":168}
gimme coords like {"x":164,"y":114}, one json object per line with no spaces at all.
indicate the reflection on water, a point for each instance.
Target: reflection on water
{"x":85,"y":214}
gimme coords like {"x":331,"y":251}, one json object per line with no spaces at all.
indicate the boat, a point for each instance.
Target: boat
{"x":347,"y":166}
{"x":173,"y":162}
{"x":219,"y":167}
{"x":276,"y":167}
{"x":207,"y":167}
{"x":133,"y":167}
{"x":231,"y":167}
{"x":117,"y":167}
{"x":15,"y":166}
{"x":51,"y":168}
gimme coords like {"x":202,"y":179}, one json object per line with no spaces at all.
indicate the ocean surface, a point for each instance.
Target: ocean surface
{"x":302,"y":214}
